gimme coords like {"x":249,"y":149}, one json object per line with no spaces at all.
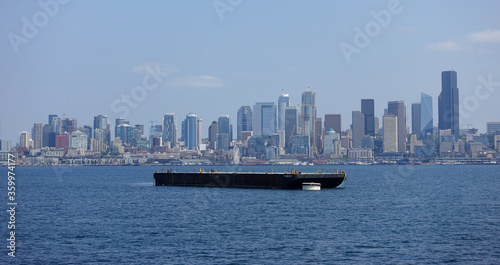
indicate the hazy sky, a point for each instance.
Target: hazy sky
{"x":85,"y":58}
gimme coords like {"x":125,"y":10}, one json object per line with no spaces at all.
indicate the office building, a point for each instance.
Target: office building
{"x":415,"y":120}
{"x":212,"y":135}
{"x":190,"y":131}
{"x":493,"y":128}
{"x":199,"y":132}
{"x":24,"y":138}
{"x":62,"y":141}
{"x":291,"y":126}
{"x":398,"y":109}
{"x":368,"y":110}
{"x":426,"y":117}
{"x":169,"y":130}
{"x":55,"y":124}
{"x":331,"y":143}
{"x":283,"y":103}
{"x":244,"y":121}
{"x":448,"y":105}
{"x":308,"y":112}
{"x":38,"y":135}
{"x":123,"y":132}
{"x":333,"y":121}
{"x":318,"y":134}
{"x":223,"y":131}
{"x":358,"y":129}
{"x":264,"y":118}
{"x":390,"y":125}
{"x":78,"y":140}
{"x":301,"y":145}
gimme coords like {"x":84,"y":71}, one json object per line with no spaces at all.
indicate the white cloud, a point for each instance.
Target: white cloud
{"x":444,"y":46}
{"x":156,"y":67}
{"x":485,"y":36}
{"x":201,"y":81}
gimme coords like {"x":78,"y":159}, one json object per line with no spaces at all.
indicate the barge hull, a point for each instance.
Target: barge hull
{"x":247,"y":180}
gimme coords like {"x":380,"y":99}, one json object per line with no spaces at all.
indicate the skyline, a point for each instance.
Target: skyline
{"x":79,"y":66}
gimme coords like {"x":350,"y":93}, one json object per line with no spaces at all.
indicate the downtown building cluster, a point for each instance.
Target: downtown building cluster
{"x":270,"y":132}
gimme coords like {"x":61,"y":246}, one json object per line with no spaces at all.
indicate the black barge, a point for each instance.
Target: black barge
{"x":250,"y":180}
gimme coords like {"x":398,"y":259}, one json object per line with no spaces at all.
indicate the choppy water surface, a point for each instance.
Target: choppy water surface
{"x":383,"y":214}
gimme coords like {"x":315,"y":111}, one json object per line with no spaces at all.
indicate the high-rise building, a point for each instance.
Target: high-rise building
{"x":333,"y":121}
{"x":415,"y":119}
{"x":291,"y":126}
{"x":368,"y":110}
{"x":390,"y":125}
{"x":55,"y":124}
{"x":100,"y":122}
{"x":493,"y":128}
{"x":448,"y":105}
{"x":62,"y":141}
{"x":68,"y":125}
{"x":283,"y":103}
{"x":45,"y":135}
{"x":123,"y":132}
{"x":426,"y":116}
{"x":318,"y":134}
{"x":358,"y":129}
{"x":212,"y":135}
{"x":308,"y":112}
{"x":398,"y":109}
{"x":331,"y":143}
{"x":79,"y":140}
{"x":169,"y":130}
{"x":223,"y":130}
{"x":24,"y":138}
{"x":191,"y":129}
{"x":199,"y":132}
{"x":38,"y":135}
{"x":244,"y":121}
{"x":264,"y":118}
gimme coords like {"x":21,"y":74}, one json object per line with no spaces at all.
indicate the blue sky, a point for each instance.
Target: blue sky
{"x":86,"y":58}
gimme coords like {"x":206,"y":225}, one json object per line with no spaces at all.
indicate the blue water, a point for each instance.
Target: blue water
{"x":382,"y":215}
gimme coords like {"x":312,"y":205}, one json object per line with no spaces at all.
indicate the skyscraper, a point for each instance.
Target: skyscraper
{"x":212,"y":134}
{"x":101,"y":122}
{"x":291,"y":126}
{"x":333,"y":121}
{"x":244,"y":121}
{"x":264,"y":118}
{"x":358,"y":128}
{"x":448,"y":106}
{"x":390,"y":125}
{"x":415,"y":119}
{"x":223,"y":130}
{"x":55,"y":124}
{"x":426,"y":114}
{"x":368,"y":110}
{"x":191,"y":129}
{"x":283,"y":103}
{"x":308,"y":113}
{"x":398,"y":109}
{"x":24,"y":138}
{"x":38,"y":135}
{"x":199,"y":132}
{"x":169,"y":130}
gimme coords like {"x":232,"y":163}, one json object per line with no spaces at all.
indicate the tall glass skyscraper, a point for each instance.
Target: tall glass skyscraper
{"x":169,"y":130}
{"x":415,"y":120}
{"x":448,"y":103}
{"x":264,"y":119}
{"x":223,"y":131}
{"x":283,"y":102}
{"x":191,"y":131}
{"x":368,"y":110}
{"x":426,"y":113}
{"x":244,"y":121}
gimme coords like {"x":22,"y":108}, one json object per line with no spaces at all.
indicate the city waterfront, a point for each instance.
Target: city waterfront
{"x":383,"y":214}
